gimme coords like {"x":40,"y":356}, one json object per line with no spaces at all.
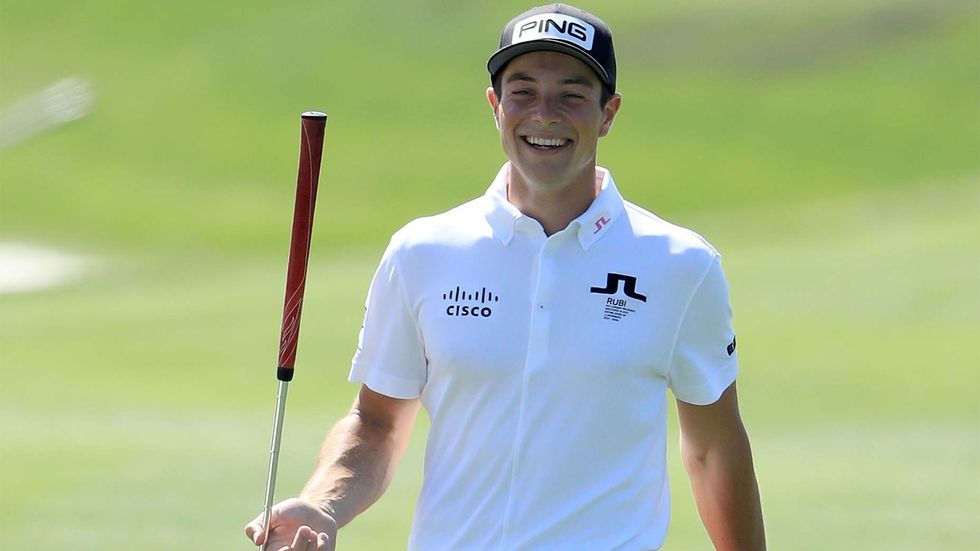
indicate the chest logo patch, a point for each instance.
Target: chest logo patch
{"x":475,"y":304}
{"x":618,"y":308}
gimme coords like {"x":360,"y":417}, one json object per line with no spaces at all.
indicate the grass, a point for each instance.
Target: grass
{"x":839,"y":389}
{"x":828,"y":151}
{"x":196,"y":114}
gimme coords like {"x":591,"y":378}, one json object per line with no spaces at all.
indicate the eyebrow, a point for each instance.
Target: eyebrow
{"x":582,"y":81}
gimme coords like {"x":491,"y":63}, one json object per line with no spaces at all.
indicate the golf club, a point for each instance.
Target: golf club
{"x":311,"y":148}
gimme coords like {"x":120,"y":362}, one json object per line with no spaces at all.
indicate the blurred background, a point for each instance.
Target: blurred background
{"x":148,"y":157}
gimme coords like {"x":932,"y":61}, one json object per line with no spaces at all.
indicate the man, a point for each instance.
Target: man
{"x":540,"y":326}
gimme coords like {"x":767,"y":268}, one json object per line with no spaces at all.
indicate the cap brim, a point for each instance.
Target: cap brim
{"x":503,"y":56}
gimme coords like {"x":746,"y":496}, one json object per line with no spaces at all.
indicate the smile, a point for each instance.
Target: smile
{"x":546,"y":143}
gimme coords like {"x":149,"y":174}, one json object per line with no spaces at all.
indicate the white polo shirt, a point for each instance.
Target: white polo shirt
{"x":543,"y":363}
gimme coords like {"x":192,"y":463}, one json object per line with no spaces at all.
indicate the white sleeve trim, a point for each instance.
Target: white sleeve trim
{"x":710,"y":392}
{"x":383,"y":383}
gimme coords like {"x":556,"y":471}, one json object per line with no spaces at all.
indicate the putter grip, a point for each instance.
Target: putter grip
{"x":310,"y":151}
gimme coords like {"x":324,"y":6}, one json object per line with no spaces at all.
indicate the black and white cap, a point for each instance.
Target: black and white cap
{"x":559,"y":28}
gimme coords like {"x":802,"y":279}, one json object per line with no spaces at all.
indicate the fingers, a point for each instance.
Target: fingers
{"x":308,"y":539}
{"x":295,"y":527}
{"x":253,"y":530}
{"x":304,"y":537}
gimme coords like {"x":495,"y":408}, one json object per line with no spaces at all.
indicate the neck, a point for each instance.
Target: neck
{"x":553,"y":206}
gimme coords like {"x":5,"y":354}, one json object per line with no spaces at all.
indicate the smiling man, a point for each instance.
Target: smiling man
{"x":540,"y":326}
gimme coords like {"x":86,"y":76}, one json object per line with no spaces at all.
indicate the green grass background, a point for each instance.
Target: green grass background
{"x":829,"y":150}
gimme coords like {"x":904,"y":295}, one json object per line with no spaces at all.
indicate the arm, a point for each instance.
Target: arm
{"x":716,"y":453}
{"x":357,"y":461}
{"x":359,"y":456}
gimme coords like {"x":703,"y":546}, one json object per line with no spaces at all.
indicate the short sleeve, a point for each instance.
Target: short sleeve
{"x":704,"y":362}
{"x":390,"y":356}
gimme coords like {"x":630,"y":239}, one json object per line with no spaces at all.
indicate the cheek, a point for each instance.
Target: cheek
{"x":598,"y":126}
{"x":514,"y":106}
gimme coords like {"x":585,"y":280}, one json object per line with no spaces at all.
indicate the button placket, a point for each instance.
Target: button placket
{"x":537,"y":350}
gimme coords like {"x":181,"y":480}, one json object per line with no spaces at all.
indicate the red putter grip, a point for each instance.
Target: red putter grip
{"x":310,"y":151}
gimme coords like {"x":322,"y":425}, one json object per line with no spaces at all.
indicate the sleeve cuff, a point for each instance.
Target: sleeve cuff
{"x":383,"y":383}
{"x":709,"y":392}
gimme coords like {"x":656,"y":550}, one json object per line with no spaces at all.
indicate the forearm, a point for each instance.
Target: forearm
{"x":727,"y":494}
{"x":356,"y":463}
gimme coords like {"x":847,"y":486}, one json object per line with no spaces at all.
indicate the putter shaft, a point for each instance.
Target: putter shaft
{"x":270,"y":485}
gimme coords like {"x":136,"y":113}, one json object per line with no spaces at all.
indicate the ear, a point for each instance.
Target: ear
{"x":492,"y":97}
{"x":494,"y":103}
{"x":609,"y":113}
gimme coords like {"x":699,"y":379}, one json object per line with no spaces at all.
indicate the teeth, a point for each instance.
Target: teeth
{"x":547,"y":142}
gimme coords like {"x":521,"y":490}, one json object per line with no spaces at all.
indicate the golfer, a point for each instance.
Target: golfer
{"x":540,"y":326}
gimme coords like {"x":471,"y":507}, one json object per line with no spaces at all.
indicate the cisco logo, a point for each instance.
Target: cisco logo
{"x":478,"y":303}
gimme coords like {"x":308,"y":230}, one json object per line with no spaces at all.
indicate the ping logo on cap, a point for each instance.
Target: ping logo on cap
{"x":554,"y":25}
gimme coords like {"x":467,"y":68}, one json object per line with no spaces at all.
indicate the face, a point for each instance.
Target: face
{"x":550,"y":120}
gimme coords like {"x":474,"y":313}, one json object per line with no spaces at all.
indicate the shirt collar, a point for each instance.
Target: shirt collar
{"x":590,"y":226}
{"x":501,"y":214}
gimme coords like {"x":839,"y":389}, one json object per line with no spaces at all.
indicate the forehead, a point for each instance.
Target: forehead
{"x":550,"y":66}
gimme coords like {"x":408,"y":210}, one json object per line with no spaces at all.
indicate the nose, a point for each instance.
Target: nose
{"x":546,"y":111}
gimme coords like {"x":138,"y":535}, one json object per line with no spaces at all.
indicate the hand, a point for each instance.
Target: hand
{"x":296,"y":525}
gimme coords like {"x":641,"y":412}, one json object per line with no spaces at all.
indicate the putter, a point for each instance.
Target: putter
{"x":311,"y":148}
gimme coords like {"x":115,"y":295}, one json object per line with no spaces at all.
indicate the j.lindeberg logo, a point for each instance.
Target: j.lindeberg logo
{"x":618,"y":308}
{"x":612,"y":286}
{"x":554,"y":25}
{"x":602,"y":221}
{"x":480,"y":307}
